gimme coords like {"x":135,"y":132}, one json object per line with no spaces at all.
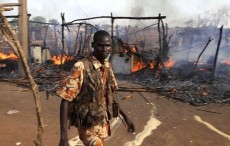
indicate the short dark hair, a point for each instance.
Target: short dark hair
{"x":100,"y":33}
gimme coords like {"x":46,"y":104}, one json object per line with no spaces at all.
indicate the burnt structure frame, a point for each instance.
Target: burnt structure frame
{"x":65,"y":24}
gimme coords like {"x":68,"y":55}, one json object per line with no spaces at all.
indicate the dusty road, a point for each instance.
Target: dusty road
{"x":158,"y":121}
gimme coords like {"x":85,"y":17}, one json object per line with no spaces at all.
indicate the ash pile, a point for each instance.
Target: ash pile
{"x":183,"y":83}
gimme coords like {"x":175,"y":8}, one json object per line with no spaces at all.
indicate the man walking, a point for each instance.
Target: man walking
{"x":88,"y":92}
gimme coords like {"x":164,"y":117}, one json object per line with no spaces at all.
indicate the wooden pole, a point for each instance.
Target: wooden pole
{"x":23,"y":31}
{"x":84,"y":42}
{"x":112,"y":22}
{"x":5,"y":9}
{"x":209,"y":40}
{"x":111,"y":54}
{"x":62,"y":37}
{"x":133,"y":18}
{"x":217,"y":52}
{"x":14,"y":42}
{"x":159,"y":31}
{"x":80,"y":45}
{"x":10,"y":4}
{"x":75,"y":44}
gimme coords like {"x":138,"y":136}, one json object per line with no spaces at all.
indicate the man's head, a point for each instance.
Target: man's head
{"x":102,"y":44}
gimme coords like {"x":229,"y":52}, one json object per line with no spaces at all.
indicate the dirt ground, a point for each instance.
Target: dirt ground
{"x":158,"y":120}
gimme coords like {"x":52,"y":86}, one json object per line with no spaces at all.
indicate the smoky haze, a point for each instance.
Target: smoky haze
{"x":176,"y":11}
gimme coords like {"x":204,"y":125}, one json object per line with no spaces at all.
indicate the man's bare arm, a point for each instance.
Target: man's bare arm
{"x":63,"y":122}
{"x":129,"y":123}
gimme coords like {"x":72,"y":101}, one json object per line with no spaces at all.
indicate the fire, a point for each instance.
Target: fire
{"x":10,"y":55}
{"x":226,"y":62}
{"x":151,"y":65}
{"x":203,"y":69}
{"x":134,"y":49}
{"x":137,"y":66}
{"x":170,"y":63}
{"x":58,"y":59}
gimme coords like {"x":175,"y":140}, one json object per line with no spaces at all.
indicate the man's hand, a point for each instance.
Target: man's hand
{"x":128,"y":122}
{"x":131,"y":129}
{"x":64,"y":142}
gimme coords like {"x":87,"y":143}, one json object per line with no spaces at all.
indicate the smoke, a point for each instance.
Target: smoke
{"x":171,"y":9}
{"x":177,"y":12}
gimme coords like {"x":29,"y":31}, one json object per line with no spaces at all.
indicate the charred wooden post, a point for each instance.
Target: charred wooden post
{"x":217,"y":52}
{"x":126,"y":34}
{"x":75,"y":45}
{"x":158,"y":59}
{"x":165,"y":44}
{"x":209,"y":40}
{"x":88,"y":40}
{"x":159,"y":31}
{"x":55,"y":36}
{"x":80,"y":47}
{"x":112,"y":23}
{"x":62,"y":35}
{"x":117,"y":32}
{"x":45,"y":37}
{"x":14,"y":42}
{"x":111,"y":17}
{"x":85,"y":39}
{"x":191,"y":39}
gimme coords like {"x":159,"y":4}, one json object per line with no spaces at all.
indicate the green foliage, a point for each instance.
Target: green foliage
{"x":37,"y":21}
{"x":54,"y":21}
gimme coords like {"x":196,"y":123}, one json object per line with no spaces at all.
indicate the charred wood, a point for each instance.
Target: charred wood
{"x":209,"y":40}
{"x":217,"y":52}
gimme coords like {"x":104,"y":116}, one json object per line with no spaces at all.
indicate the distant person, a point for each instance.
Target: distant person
{"x":87,"y":96}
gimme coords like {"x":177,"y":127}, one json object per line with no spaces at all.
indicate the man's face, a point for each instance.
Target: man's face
{"x":102,"y":47}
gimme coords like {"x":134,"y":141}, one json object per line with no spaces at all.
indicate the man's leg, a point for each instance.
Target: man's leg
{"x":93,"y":136}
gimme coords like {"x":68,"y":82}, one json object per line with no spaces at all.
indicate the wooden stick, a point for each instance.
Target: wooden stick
{"x":5,"y":9}
{"x":75,"y":44}
{"x":137,"y":90}
{"x":217,"y":52}
{"x":111,"y":17}
{"x":209,"y":40}
{"x":8,"y":31}
{"x":10,"y":5}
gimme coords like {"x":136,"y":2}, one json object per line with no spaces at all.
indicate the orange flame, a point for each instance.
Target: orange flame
{"x":134,"y":49}
{"x":58,"y":59}
{"x":170,"y":63}
{"x":10,"y":55}
{"x":226,"y":62}
{"x":151,"y":65}
{"x":203,"y":69}
{"x":137,"y":66}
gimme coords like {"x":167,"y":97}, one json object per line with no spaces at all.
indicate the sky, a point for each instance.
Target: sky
{"x":176,"y":11}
